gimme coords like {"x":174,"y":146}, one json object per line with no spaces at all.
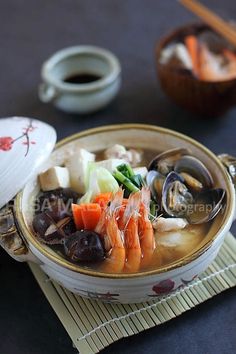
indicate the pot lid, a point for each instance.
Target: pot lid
{"x":25,"y":143}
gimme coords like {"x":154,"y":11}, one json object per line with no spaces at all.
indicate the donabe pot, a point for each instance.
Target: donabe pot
{"x":121,"y":288}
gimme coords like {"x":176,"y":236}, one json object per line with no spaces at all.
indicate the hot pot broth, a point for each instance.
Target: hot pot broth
{"x":168,"y":244}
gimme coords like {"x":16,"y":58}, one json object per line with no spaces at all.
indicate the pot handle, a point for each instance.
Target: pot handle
{"x":10,"y":239}
{"x":230,"y":164}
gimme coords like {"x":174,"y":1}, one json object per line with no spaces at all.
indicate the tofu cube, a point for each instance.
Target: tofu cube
{"x":55,"y":177}
{"x":78,"y":173}
{"x":78,"y":169}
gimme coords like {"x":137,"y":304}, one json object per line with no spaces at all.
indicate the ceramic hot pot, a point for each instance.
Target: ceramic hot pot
{"x":26,"y":148}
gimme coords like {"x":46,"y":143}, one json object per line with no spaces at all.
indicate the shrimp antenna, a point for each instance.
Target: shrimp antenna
{"x":116,"y":201}
{"x":132,"y":207}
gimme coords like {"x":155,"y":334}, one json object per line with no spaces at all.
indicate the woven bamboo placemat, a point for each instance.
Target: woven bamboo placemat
{"x":93,"y":325}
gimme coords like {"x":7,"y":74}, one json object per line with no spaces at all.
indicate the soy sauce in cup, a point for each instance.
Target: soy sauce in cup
{"x":82,"y":78}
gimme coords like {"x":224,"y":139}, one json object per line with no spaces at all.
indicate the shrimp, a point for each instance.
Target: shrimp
{"x":106,"y":212}
{"x":132,"y":205}
{"x":147,"y":240}
{"x":115,"y":261}
{"x":132,"y":243}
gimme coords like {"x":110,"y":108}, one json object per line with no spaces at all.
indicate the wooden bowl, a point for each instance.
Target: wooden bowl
{"x":205,"y":98}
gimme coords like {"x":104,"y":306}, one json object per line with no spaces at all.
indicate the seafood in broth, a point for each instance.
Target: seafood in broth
{"x":124,"y":210}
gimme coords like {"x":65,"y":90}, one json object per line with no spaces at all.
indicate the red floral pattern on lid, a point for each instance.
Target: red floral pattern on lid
{"x":6,"y":142}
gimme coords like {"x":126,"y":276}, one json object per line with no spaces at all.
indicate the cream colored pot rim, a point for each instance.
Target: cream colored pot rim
{"x":31,"y":239}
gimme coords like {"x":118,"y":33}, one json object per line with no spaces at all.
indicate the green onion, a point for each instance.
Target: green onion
{"x":122,"y":179}
{"x":126,"y":170}
{"x":138,"y":181}
{"x":153,"y":210}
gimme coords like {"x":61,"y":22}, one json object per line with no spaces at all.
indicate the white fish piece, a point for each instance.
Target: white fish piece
{"x":110,"y":164}
{"x":183,"y":55}
{"x":116,"y":151}
{"x":215,"y":67}
{"x":55,"y":177}
{"x":169,"y":224}
{"x":134,"y":157}
{"x":179,"y":51}
{"x":167,"y":53}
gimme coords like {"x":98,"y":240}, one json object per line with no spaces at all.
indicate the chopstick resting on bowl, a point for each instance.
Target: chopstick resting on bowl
{"x":213,"y":20}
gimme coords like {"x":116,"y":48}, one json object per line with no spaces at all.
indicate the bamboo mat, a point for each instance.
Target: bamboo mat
{"x":93,"y":325}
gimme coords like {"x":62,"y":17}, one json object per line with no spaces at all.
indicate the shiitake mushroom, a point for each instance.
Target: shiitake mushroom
{"x":53,"y":219}
{"x":84,"y":246}
{"x":56,"y":199}
{"x":54,"y":225}
{"x":52,"y":231}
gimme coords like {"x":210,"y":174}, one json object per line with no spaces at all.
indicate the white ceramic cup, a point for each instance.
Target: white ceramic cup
{"x":85,"y":97}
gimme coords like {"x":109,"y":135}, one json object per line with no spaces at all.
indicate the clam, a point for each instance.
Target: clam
{"x":155,"y":182}
{"x":165,"y":162}
{"x":195,"y":174}
{"x":176,"y":197}
{"x":192,"y":182}
{"x":206,"y":206}
{"x":177,"y":201}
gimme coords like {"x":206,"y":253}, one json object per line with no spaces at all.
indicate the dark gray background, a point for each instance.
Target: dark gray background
{"x":30,"y":31}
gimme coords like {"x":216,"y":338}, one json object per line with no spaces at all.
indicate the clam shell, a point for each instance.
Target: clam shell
{"x":206,"y":206}
{"x":171,"y":156}
{"x":182,"y":200}
{"x":155,"y":188}
{"x":195,"y":168}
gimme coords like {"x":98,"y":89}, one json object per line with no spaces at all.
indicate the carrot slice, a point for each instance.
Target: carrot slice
{"x":103,"y":199}
{"x":193,"y":48}
{"x":91,"y":214}
{"x":86,"y":216}
{"x":77,"y":215}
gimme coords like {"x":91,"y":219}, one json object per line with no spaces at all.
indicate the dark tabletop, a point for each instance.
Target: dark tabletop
{"x":30,"y":31}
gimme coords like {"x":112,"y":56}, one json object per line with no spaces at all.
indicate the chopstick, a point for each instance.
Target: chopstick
{"x":213,"y":20}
